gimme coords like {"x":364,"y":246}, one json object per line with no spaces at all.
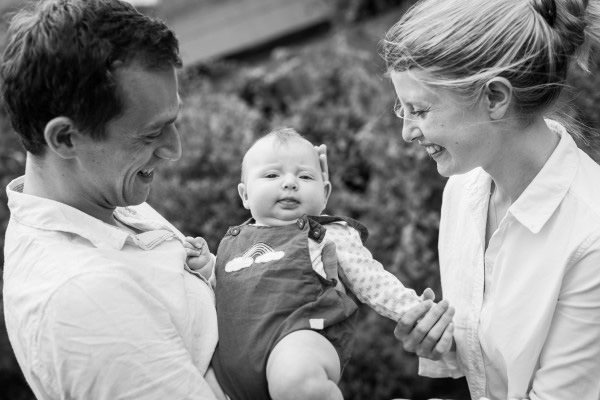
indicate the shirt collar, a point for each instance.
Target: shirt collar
{"x":541,"y":198}
{"x":545,"y":192}
{"x":45,"y":214}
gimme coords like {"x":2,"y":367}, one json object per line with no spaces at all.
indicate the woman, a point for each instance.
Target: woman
{"x":519,"y":237}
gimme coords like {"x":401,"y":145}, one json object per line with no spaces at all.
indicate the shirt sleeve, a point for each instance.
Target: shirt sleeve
{"x":570,"y":359}
{"x":446,"y":367}
{"x":367,"y":278}
{"x":106,"y":338}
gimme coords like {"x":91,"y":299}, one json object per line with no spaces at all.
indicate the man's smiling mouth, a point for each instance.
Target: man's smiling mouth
{"x":146,"y":173}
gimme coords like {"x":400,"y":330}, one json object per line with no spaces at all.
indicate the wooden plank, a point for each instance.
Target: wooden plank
{"x":234,"y":26}
{"x":223,"y":28}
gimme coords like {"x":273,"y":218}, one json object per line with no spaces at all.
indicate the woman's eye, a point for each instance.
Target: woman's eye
{"x":419,"y":113}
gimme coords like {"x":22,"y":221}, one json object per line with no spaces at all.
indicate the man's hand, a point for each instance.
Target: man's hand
{"x":426,"y":329}
{"x":198,"y":256}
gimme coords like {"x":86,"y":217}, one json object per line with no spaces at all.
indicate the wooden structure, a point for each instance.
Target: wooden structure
{"x":235,"y":25}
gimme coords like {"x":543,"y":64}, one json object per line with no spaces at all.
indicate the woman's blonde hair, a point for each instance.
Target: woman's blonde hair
{"x":462,"y":44}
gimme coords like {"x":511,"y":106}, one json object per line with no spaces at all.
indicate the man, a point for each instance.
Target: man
{"x":98,"y":304}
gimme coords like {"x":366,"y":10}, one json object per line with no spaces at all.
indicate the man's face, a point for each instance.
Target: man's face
{"x":118,"y":170}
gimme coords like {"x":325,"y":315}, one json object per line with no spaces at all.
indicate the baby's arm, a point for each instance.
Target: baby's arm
{"x":366,"y":277}
{"x":199,"y":259}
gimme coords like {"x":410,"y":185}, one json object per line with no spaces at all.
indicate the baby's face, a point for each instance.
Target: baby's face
{"x":283,"y":181}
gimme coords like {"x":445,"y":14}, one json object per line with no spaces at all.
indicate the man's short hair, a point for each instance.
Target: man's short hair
{"x":60,"y":59}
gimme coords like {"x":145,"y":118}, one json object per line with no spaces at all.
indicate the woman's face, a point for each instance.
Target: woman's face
{"x":455,"y":134}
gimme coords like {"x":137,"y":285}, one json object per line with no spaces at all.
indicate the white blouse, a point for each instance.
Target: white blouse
{"x":527,"y":322}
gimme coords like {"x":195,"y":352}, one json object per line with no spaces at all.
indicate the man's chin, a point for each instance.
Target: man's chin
{"x":135,"y":200}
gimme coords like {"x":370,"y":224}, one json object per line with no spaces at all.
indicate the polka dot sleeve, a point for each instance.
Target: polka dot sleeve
{"x":367,"y":278}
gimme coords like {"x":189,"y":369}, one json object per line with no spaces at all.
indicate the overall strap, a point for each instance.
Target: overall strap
{"x":328,"y":219}
{"x":235,"y":230}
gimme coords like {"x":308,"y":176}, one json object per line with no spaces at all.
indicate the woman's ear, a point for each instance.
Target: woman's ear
{"x":243,"y":195}
{"x":59,"y":133}
{"x":497,"y":95}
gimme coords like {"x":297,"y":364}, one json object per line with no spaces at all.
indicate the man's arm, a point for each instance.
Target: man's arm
{"x":103,"y":337}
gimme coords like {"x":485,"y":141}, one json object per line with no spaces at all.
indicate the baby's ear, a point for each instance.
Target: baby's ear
{"x":243,"y":195}
{"x":327,"y":189}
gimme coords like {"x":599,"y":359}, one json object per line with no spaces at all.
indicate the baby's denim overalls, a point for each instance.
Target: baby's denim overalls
{"x":267,"y":289}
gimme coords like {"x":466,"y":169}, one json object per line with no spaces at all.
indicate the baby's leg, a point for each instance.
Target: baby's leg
{"x":304,"y":365}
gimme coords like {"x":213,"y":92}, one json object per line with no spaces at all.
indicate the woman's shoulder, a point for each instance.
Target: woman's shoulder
{"x":585,"y":188}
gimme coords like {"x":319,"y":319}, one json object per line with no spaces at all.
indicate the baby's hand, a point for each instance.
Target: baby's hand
{"x":199,"y":258}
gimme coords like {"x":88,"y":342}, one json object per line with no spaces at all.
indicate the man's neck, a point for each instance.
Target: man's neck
{"x":50,"y":180}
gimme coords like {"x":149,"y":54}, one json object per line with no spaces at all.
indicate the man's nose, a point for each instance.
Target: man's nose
{"x":170,"y":147}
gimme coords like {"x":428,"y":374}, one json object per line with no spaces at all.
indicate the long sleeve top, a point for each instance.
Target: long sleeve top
{"x":366,"y":277}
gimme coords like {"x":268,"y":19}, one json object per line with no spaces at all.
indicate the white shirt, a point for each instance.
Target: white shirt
{"x":96,"y":313}
{"x":527,"y":321}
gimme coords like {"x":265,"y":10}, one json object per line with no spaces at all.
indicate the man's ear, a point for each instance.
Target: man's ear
{"x":497,"y":95}
{"x":59,"y":134}
{"x":243,"y":195}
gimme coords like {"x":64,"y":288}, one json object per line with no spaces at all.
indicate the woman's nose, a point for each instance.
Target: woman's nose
{"x":410,"y":132}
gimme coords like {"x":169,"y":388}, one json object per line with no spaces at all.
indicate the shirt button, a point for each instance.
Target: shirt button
{"x":235,"y":231}
{"x":300,"y":223}
{"x":316,"y":232}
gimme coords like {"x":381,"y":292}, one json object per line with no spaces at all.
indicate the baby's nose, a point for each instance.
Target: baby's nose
{"x":290,"y":183}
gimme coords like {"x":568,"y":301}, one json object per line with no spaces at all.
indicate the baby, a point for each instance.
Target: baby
{"x":288,"y":281}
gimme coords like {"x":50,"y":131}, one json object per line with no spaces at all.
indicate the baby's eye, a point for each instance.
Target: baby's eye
{"x":271,"y":175}
{"x":306,"y":177}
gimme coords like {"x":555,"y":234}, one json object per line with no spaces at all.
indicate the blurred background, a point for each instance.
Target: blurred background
{"x":253,"y":65}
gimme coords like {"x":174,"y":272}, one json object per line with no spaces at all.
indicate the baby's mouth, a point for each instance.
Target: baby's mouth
{"x":288,"y":202}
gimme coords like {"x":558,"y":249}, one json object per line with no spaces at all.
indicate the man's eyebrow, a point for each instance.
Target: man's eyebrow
{"x":160,"y":124}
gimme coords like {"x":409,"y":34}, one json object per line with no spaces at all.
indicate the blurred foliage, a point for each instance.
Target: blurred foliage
{"x":335,"y":93}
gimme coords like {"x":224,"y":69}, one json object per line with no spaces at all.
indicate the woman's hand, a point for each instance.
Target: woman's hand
{"x":426,"y":329}
{"x":322,"y":152}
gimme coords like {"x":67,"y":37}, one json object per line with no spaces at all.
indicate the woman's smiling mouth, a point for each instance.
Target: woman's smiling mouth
{"x":433,"y":149}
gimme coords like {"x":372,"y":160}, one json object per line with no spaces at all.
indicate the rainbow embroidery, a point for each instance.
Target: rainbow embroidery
{"x":259,"y":253}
